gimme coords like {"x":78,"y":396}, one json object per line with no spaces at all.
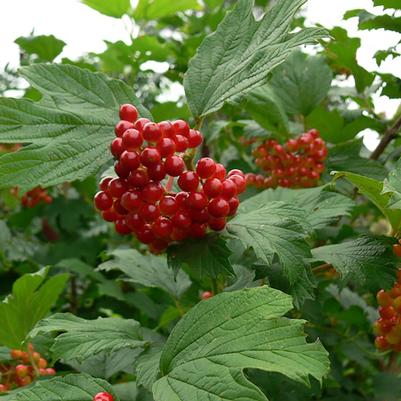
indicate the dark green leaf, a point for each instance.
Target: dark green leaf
{"x":237,"y":57}
{"x":388,"y":3}
{"x":47,"y":48}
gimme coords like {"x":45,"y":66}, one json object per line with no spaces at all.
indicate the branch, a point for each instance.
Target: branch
{"x":390,"y":135}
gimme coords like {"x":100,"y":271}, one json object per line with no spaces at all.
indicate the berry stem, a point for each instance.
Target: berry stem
{"x":33,"y":363}
{"x":169,"y":184}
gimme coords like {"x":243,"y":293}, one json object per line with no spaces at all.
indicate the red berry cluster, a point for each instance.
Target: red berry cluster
{"x":103,"y":397}
{"x":149,"y":158}
{"x":397,"y":249}
{"x":296,"y":164}
{"x":29,"y":366}
{"x":388,"y":327}
{"x":35,"y":196}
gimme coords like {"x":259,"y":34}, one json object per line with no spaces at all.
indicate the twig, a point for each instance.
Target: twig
{"x":389,"y":136}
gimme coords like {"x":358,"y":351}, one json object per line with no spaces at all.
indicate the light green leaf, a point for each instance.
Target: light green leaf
{"x":204,"y":358}
{"x":73,"y":387}
{"x":238,"y":56}
{"x":148,"y":366}
{"x":206,"y":257}
{"x":302,"y":82}
{"x":114,"y":8}
{"x":275,"y":229}
{"x":388,"y":3}
{"x":149,"y":270}
{"x":30,"y":301}
{"x":47,"y":48}
{"x":392,"y":187}
{"x":370,"y":21}
{"x":155,"y":9}
{"x":366,"y":260}
{"x":70,"y":128}
{"x":81,"y":339}
{"x":372,"y":189}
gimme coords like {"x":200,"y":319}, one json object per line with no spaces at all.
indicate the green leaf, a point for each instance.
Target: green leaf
{"x":237,"y":57}
{"x":372,"y":189}
{"x":275,"y":229}
{"x":206,"y":257}
{"x":204,"y":357}
{"x":320,"y":207}
{"x":115,"y":8}
{"x":302,"y":82}
{"x":81,"y":339}
{"x":370,"y":21}
{"x":70,"y":128}
{"x":330,"y":124}
{"x":30,"y":301}
{"x":73,"y":387}
{"x":388,"y":4}
{"x":156,"y":9}
{"x":366,"y":260}
{"x":266,"y":109}
{"x":148,"y":366}
{"x":392,"y":187}
{"x":47,"y":48}
{"x":149,"y":270}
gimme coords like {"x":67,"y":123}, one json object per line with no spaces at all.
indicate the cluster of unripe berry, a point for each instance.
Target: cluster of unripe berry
{"x":296,"y":164}
{"x":150,"y":158}
{"x":103,"y":397}
{"x":35,"y":196}
{"x":27,"y":367}
{"x":388,"y":327}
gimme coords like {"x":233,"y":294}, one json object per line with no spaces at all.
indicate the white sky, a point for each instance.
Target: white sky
{"x":84,"y":30}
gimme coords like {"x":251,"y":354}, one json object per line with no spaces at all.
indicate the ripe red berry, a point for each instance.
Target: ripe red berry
{"x":130,"y":160}
{"x":151,"y":132}
{"x":138,"y":178}
{"x":206,"y":167}
{"x":103,"y":201}
{"x":181,"y":143}
{"x":212,"y":187}
{"x":16,"y":354}
{"x":381,"y":343}
{"x":384,"y":298}
{"x":188,"y":181}
{"x":50,"y":372}
{"x":134,"y":221}
{"x":157,"y":172}
{"x":199,"y":215}
{"x":21,"y":371}
{"x":42,"y":363}
{"x":3,"y":388}
{"x":181,"y":127}
{"x":219,"y":207}
{"x":121,"y":127}
{"x":122,"y":227}
{"x":234,"y":203}
{"x":121,"y":171}
{"x":239,"y":181}
{"x":174,"y":165}
{"x":229,"y":189}
{"x":158,"y":246}
{"x":220,"y":172}
{"x":110,"y":215}
{"x":103,"y":397}
{"x":140,"y":124}
{"x":149,"y":212}
{"x":206,"y":295}
{"x":397,"y":250}
{"x":181,"y":220}
{"x":145,"y":234}
{"x":150,"y":156}
{"x":132,"y":139}
{"x":117,"y":147}
{"x":194,"y":139}
{"x":131,"y":200}
{"x":217,"y":223}
{"x":128,"y":112}
{"x":162,"y":227}
{"x":104,"y":183}
{"x":166,"y":128}
{"x":117,"y":187}
{"x":152,"y":192}
{"x":119,"y":208}
{"x":386,"y":312}
{"x":197,"y":200}
{"x":168,"y":206}
{"x":198,"y":230}
{"x":166,"y":147}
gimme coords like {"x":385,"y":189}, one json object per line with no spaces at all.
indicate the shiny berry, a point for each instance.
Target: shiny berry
{"x":145,"y":234}
{"x":121,"y":127}
{"x":117,"y":147}
{"x":152,"y":192}
{"x":131,"y":200}
{"x":138,"y":178}
{"x":117,"y":187}
{"x":181,"y":220}
{"x":166,"y":147}
{"x":397,"y":250}
{"x":134,"y":221}
{"x":110,"y":215}
{"x":130,"y":160}
{"x":104,"y":183}
{"x":122,"y":227}
{"x":188,"y":181}
{"x":128,"y":112}
{"x":132,"y":139}
{"x":194,"y":138}
{"x":174,"y":165}
{"x":229,"y":189}
{"x":206,"y":295}
{"x":103,"y":201}
{"x":150,"y":156}
{"x":217,"y":223}
{"x":219,"y":207}
{"x":140,"y":124}
{"x":220,"y":172}
{"x":157,"y":172}
{"x":181,"y":143}
{"x":21,"y":371}
{"x":197,"y":200}
{"x":168,"y":206}
{"x":149,"y":212}
{"x":206,"y":167}
{"x":103,"y":397}
{"x":239,"y":181}
{"x":166,"y":128}
{"x":181,"y":127}
{"x":234,"y":203}
{"x":162,"y":227}
{"x":212,"y":187}
{"x":386,"y":312}
{"x":151,"y":132}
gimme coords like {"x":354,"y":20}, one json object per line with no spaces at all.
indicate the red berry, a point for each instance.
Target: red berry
{"x":206,"y":295}
{"x":181,"y":127}
{"x":387,"y":312}
{"x":162,"y":227}
{"x":174,"y":165}
{"x":117,"y":187}
{"x":3,"y":388}
{"x":149,"y":212}
{"x":166,"y":128}
{"x":181,"y":143}
{"x":138,"y":178}
{"x":110,"y":215}
{"x":145,"y":234}
{"x":103,"y":397}
{"x":179,"y":234}
{"x":121,"y":171}
{"x":234,"y":203}
{"x":181,"y":199}
{"x":152,"y":192}
{"x":150,"y":156}
{"x":197,"y":200}
{"x":381,"y":343}
{"x":168,"y":206}
{"x":132,"y":139}
{"x":131,"y":200}
{"x":229,"y":189}
{"x":119,"y":208}
{"x":128,"y":112}
{"x":188,"y":181}
{"x":158,"y":246}
{"x":181,"y":220}
{"x":104,"y":183}
{"x":198,"y":230}
{"x":152,"y":132}
{"x":140,"y":124}
{"x":212,"y":187}
{"x":134,"y":221}
{"x":42,"y":363}
{"x":157,"y":172}
{"x":397,"y":250}
{"x":206,"y":167}
{"x":220,"y":172}
{"x":217,"y":223}
{"x":117,"y":147}
{"x":166,"y":147}
{"x":239,"y":181}
{"x":194,"y":138}
{"x":199,"y":216}
{"x":219,"y":207}
{"x":50,"y":372}
{"x":16,"y":354}
{"x":121,"y":127}
{"x":103,"y":201}
{"x":122,"y":227}
{"x":130,"y":160}
{"x":21,"y":371}
{"x":384,"y":298}
{"x":235,"y":172}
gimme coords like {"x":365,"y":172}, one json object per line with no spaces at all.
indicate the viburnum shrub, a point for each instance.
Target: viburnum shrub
{"x":152,"y":157}
{"x":259,"y":216}
{"x":25,"y":368}
{"x":296,"y":164}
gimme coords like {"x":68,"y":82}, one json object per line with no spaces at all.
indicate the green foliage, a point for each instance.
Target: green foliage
{"x":31,"y":299}
{"x":242,"y":57}
{"x":115,"y":8}
{"x":204,"y":358}
{"x":46,"y":48}
{"x":149,"y":10}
